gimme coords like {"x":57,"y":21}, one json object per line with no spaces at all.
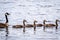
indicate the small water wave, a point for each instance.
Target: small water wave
{"x":6,"y":2}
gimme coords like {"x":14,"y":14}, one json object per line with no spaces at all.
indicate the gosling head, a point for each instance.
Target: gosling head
{"x":45,"y":21}
{"x":57,"y":20}
{"x":24,"y":20}
{"x":35,"y":21}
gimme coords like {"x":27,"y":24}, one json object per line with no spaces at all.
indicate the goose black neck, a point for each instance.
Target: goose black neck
{"x":6,"y":18}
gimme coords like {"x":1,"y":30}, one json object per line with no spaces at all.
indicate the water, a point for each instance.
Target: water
{"x":17,"y":34}
{"x":30,"y":10}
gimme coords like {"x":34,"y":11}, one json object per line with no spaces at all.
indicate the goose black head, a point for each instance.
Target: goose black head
{"x":7,"y":13}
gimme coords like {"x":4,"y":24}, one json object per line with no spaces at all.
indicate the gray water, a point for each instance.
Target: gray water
{"x":30,"y":10}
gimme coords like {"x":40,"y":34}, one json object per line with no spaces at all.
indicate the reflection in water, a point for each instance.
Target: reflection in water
{"x":34,"y":32}
{"x":6,"y":33}
{"x":24,"y":30}
{"x":6,"y":37}
{"x":30,"y":34}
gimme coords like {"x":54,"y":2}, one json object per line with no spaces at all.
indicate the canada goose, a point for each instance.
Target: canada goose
{"x":50,"y":25}
{"x":3,"y":25}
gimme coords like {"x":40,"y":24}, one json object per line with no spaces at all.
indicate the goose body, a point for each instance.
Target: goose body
{"x":50,"y":25}
{"x":39,"y":25}
{"x":5,"y":25}
{"x":29,"y":25}
{"x":17,"y":26}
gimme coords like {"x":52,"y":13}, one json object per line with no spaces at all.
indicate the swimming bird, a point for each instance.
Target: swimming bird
{"x":3,"y":25}
{"x":50,"y":25}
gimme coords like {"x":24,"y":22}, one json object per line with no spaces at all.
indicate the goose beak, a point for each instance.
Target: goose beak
{"x":7,"y":13}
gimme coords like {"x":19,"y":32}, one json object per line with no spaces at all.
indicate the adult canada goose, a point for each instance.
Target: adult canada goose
{"x":50,"y":25}
{"x":3,"y":25}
